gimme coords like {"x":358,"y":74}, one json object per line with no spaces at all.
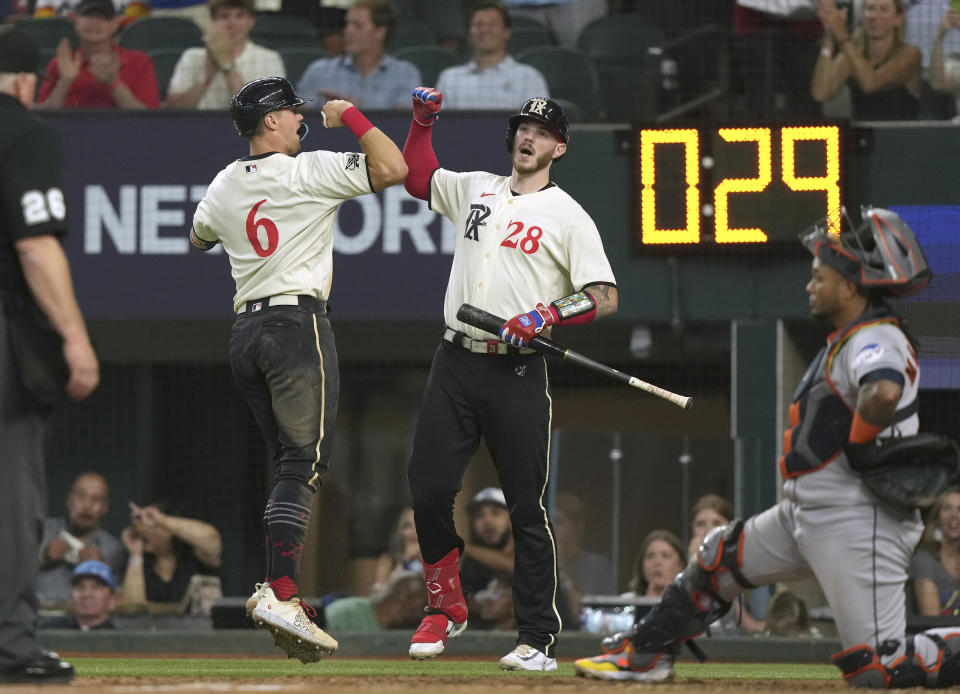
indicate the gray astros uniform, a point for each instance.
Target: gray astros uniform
{"x":828,"y":524}
{"x":512,"y":251}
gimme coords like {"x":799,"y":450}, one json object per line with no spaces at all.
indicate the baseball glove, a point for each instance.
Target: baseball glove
{"x":909,"y":470}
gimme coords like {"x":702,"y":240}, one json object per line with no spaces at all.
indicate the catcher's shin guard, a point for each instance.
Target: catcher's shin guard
{"x":861,"y":667}
{"x":699,"y":596}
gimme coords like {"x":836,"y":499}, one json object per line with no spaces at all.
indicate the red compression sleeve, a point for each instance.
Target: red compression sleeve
{"x":580,"y":319}
{"x":356,"y":121}
{"x":421,"y":160}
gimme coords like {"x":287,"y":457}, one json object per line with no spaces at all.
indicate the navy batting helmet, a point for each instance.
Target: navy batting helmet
{"x":881,"y":254}
{"x":543,"y":110}
{"x":256,"y":99}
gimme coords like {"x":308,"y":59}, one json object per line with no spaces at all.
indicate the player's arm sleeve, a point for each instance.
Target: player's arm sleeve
{"x":29,"y":180}
{"x":338,"y":175}
{"x":586,"y":258}
{"x":447,"y":191}
{"x":874,"y":355}
{"x":202,"y":234}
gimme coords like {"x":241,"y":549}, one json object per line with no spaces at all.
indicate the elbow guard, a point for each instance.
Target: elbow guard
{"x":576,"y":309}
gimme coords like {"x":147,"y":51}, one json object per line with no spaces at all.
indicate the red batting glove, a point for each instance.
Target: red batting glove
{"x":519,"y":330}
{"x":426,"y":105}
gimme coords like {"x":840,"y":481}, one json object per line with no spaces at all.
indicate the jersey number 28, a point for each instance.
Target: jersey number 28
{"x":253,"y":224}
{"x":528,"y":243}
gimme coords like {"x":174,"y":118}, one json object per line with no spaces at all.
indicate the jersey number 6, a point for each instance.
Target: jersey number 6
{"x":273,"y":235}
{"x":529,"y":243}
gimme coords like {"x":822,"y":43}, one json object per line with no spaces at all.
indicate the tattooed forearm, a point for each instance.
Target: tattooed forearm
{"x":606,"y":298}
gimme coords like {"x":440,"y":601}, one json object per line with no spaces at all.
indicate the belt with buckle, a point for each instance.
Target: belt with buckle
{"x":311,"y":303}
{"x":470,"y":344}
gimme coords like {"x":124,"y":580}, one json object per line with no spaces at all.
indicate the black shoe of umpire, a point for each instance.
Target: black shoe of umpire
{"x":44,"y":668}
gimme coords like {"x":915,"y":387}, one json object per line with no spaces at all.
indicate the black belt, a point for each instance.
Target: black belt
{"x":455,"y":337}
{"x":310,"y":303}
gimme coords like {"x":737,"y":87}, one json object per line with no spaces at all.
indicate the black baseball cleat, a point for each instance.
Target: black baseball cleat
{"x":44,"y":668}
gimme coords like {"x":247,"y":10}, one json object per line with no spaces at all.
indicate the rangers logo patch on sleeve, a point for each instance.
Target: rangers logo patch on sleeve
{"x":353,"y":162}
{"x":867,"y":354}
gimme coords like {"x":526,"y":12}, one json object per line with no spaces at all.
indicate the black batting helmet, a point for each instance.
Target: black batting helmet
{"x":256,"y":99}
{"x":543,"y":110}
{"x":882,"y":254}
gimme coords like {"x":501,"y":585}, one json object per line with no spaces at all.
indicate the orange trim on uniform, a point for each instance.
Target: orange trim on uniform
{"x":794,"y":414}
{"x":787,"y":441}
{"x":790,"y":475}
{"x":874,"y":665}
{"x":862,"y":431}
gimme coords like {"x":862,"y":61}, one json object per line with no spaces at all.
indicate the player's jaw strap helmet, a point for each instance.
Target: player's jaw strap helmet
{"x":543,"y":110}
{"x":881,"y":254}
{"x":256,"y":99}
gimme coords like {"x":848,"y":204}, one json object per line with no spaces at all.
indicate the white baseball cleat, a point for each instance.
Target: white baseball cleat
{"x":261,"y":590}
{"x":430,"y":639}
{"x":292,"y":629}
{"x":525,"y":657}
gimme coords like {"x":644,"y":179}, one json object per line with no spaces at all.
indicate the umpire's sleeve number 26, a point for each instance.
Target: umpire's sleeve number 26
{"x":41,"y":207}
{"x":254,"y":226}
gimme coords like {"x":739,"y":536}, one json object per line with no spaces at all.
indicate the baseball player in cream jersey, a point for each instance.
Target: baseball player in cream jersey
{"x":522,"y":242}
{"x":274,"y":213}
{"x":861,"y":389}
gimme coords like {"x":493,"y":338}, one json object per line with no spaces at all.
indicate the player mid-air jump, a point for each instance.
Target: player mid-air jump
{"x":274,"y":213}
{"x":852,"y":439}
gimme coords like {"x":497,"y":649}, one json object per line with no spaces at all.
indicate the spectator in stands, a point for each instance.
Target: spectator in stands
{"x":787,"y":616}
{"x":881,"y":69}
{"x":945,"y":71}
{"x":488,"y":556}
{"x":206,"y":78}
{"x":196,"y":11}
{"x":444,"y":17}
{"x":364,"y":75}
{"x":935,"y":568}
{"x":582,"y":573}
{"x":565,"y":18}
{"x":129,"y":10}
{"x":403,"y":552}
{"x":660,"y":559}
{"x":75,"y":538}
{"x":708,"y":512}
{"x":399,"y":605}
{"x":100,"y":73}
{"x":493,"y":79}
{"x":169,"y":557}
{"x":328,"y":18}
{"x":93,"y":599}
{"x":924,"y":20}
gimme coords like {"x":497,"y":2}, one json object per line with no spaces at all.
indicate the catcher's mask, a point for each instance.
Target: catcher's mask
{"x":545,"y":111}
{"x":881,"y":254}
{"x":256,"y":99}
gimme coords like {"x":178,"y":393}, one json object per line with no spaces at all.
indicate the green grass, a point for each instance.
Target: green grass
{"x":199,"y":668}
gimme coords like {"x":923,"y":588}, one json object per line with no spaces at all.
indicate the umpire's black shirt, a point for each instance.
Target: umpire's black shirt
{"x":30,"y":197}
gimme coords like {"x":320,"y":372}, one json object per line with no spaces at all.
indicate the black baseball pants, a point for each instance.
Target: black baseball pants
{"x":284,"y":361}
{"x":506,"y":399}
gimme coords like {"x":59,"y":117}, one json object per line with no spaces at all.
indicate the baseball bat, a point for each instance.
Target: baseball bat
{"x":478,"y":318}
